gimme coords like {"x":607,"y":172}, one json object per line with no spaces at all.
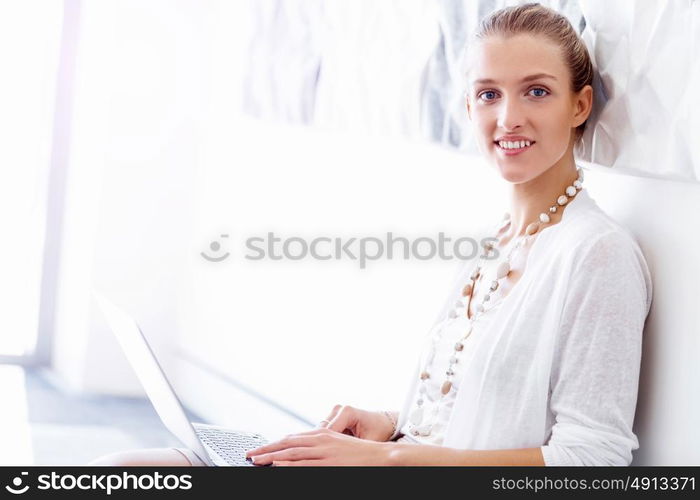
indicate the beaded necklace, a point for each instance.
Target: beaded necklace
{"x":416,"y":419}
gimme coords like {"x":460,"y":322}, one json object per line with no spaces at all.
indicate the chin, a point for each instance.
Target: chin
{"x":513,"y":175}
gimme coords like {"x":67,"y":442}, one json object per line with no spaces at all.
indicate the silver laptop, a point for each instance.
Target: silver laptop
{"x":215,"y":446}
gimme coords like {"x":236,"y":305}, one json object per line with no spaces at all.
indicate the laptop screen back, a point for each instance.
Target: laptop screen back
{"x":152,"y":377}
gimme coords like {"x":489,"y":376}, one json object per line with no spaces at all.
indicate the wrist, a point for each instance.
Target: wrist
{"x":392,"y":417}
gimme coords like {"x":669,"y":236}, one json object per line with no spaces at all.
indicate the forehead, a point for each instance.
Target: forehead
{"x":508,"y":60}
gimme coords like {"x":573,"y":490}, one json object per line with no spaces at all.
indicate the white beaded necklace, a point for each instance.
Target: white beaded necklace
{"x":417,"y":426}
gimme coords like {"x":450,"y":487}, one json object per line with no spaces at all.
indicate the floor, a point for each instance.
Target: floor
{"x":43,"y":425}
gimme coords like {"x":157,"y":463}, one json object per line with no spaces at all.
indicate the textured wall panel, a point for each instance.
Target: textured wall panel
{"x":396,"y":68}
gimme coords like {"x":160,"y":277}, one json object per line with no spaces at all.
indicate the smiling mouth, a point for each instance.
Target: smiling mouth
{"x":513,"y":151}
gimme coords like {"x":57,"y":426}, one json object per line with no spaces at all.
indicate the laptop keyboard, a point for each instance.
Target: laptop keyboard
{"x":231,"y":446}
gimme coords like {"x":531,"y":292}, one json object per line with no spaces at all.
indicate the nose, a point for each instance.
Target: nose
{"x":511,"y":114}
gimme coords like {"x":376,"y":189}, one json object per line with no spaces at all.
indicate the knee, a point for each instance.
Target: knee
{"x":119,"y":459}
{"x":148,"y":457}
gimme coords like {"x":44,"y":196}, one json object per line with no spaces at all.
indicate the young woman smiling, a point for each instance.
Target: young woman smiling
{"x":535,"y":358}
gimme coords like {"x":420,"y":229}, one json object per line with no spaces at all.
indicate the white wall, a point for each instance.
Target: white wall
{"x":27,"y":98}
{"x":661,"y":214}
{"x":162,"y":162}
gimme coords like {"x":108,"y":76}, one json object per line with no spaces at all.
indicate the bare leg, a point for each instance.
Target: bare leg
{"x":147,"y":457}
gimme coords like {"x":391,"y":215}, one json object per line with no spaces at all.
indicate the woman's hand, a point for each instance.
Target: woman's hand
{"x":321,"y":447}
{"x":372,"y":425}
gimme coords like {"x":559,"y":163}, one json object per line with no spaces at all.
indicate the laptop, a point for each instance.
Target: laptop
{"x":215,"y":446}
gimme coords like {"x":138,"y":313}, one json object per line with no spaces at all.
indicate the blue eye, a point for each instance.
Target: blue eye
{"x":531,"y":90}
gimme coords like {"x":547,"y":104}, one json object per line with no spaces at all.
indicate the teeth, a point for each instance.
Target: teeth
{"x":513,"y":144}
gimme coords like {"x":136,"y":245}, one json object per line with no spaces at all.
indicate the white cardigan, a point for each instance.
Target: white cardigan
{"x":558,"y":366}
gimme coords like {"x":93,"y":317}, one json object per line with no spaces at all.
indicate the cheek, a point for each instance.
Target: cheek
{"x":483,"y":126}
{"x":558,"y":134}
{"x":555,"y":121}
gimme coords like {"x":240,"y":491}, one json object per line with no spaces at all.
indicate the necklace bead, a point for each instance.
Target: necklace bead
{"x":502,"y":270}
{"x":532,"y":228}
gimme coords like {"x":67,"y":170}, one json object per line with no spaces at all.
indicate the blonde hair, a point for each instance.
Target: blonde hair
{"x":536,"y":19}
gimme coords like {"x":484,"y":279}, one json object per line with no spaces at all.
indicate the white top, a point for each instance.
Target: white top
{"x":557,"y":364}
{"x":436,"y":408}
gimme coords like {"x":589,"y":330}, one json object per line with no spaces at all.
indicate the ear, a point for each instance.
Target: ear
{"x":583,"y":103}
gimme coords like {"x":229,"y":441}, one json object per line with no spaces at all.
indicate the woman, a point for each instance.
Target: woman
{"x":535,"y":358}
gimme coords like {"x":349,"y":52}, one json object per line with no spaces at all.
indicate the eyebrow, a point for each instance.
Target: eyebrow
{"x":536,"y":76}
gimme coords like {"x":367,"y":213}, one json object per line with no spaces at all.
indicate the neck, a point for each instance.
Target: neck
{"x":529,"y":199}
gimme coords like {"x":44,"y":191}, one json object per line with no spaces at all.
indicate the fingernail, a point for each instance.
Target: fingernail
{"x":252,"y":459}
